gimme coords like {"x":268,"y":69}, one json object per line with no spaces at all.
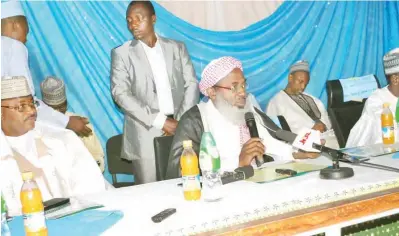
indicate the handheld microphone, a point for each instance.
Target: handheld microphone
{"x":290,"y":138}
{"x":336,"y":172}
{"x":250,"y":121}
{"x":253,"y":132}
{"x":240,"y":173}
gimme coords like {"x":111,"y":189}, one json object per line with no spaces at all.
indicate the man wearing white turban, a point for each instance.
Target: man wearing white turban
{"x":223,"y":115}
{"x":368,"y":130}
{"x":14,"y":62}
{"x":61,"y":164}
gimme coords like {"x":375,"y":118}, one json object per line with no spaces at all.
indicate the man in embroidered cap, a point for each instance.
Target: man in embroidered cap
{"x":223,"y":115}
{"x":367,"y":129}
{"x":61,"y":164}
{"x":153,"y":81}
{"x":53,"y":94}
{"x":14,"y":62}
{"x":301,"y":110}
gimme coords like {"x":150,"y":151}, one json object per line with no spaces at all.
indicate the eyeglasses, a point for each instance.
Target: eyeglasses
{"x":234,"y":88}
{"x":24,"y":107}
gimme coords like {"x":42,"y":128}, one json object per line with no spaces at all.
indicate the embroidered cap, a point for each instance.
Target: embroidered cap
{"x":391,"y":62}
{"x":14,"y":87}
{"x":301,"y":65}
{"x":53,"y":91}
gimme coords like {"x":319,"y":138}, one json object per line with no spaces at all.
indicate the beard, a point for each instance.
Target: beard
{"x":234,"y":114}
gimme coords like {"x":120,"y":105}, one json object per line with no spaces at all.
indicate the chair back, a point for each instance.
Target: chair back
{"x":346,"y":99}
{"x":117,"y":165}
{"x":162,"y":146}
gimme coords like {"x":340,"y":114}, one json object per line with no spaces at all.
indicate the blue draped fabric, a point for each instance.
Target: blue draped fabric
{"x":73,"y":40}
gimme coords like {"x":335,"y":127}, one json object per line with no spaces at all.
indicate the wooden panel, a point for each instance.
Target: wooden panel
{"x":316,"y":217}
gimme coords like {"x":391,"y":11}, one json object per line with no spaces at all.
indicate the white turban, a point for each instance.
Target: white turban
{"x":217,"y":70}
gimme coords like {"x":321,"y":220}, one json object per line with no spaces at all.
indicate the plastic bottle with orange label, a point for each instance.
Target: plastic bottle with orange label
{"x":32,"y":207}
{"x":387,"y":125}
{"x":190,"y":172}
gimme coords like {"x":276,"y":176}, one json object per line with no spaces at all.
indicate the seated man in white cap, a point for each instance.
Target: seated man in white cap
{"x":223,"y":115}
{"x":61,"y":164}
{"x":368,"y":130}
{"x":14,"y":62}
{"x":53,"y":94}
{"x":301,"y":110}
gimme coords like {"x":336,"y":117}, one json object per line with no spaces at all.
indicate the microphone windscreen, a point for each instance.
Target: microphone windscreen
{"x":249,"y":116}
{"x":247,"y":170}
{"x":286,"y":136}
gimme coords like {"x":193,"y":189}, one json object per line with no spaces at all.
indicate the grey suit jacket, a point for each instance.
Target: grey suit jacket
{"x":133,"y":89}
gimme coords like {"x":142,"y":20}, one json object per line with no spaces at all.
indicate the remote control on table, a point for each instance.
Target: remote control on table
{"x":286,"y":172}
{"x":163,"y":215}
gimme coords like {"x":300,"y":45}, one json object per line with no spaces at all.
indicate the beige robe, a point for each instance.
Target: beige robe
{"x":93,"y":144}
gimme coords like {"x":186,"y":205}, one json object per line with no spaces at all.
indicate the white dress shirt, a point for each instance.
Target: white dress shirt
{"x":164,"y":93}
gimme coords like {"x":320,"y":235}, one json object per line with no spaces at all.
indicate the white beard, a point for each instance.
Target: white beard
{"x":232,"y":113}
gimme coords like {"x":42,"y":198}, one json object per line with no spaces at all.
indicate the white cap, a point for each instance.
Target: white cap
{"x":11,"y":8}
{"x":14,"y":87}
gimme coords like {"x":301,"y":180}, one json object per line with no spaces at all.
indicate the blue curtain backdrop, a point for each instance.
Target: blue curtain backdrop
{"x":73,"y":40}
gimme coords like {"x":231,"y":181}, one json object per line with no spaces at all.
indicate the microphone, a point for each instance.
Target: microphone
{"x":240,"y":173}
{"x":253,"y":132}
{"x":336,"y":172}
{"x":290,"y":138}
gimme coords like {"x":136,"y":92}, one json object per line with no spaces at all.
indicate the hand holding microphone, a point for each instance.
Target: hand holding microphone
{"x":252,"y":148}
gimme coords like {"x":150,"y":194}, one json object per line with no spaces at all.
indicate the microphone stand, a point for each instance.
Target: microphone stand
{"x":336,"y":172}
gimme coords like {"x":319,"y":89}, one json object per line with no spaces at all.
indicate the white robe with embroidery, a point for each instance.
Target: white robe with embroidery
{"x":282,"y":105}
{"x":68,"y":166}
{"x":368,"y":130}
{"x":227,"y":137}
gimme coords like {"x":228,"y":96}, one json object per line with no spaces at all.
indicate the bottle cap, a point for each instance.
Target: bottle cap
{"x":385,"y":105}
{"x":187,"y":143}
{"x":27,"y":175}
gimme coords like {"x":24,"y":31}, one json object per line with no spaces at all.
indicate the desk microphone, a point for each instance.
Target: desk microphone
{"x":240,"y":173}
{"x":253,"y":132}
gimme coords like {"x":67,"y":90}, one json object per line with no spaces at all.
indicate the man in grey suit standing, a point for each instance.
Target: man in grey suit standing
{"x":153,"y":81}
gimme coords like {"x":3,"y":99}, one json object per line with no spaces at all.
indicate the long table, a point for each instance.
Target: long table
{"x":304,"y":204}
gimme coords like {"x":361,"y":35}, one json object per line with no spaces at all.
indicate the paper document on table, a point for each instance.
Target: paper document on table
{"x":76,"y":205}
{"x":268,"y":174}
{"x":374,"y":150}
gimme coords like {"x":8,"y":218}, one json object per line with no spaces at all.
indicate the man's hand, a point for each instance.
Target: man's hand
{"x":170,"y":126}
{"x":78,"y":125}
{"x":320,"y":127}
{"x":252,"y":148}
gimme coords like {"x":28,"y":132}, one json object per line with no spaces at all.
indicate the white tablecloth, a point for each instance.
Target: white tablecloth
{"x":243,"y":201}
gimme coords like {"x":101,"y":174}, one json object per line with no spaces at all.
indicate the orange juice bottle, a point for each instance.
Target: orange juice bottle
{"x":32,"y":207}
{"x":388,"y":128}
{"x":190,"y":172}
